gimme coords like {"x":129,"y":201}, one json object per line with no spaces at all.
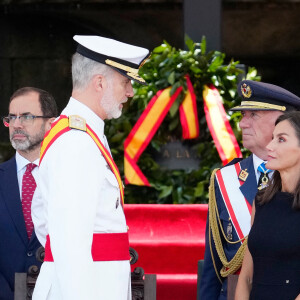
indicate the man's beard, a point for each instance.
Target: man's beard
{"x":30,"y":143}
{"x":110,"y":105}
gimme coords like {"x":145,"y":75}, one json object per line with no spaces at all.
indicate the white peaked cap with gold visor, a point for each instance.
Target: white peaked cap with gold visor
{"x":124,"y":58}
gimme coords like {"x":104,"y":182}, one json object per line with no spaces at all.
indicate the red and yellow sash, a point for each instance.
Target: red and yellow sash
{"x":61,"y":126}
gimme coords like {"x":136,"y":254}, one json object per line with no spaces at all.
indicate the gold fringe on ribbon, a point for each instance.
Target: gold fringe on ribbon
{"x":229,"y":267}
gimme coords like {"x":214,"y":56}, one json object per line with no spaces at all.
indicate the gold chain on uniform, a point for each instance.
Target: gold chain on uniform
{"x":229,"y":267}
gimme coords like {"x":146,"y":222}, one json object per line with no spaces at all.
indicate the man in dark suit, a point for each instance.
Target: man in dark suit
{"x":233,"y":188}
{"x":31,"y":112}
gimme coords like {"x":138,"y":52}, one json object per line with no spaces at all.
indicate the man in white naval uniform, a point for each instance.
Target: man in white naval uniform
{"x":79,"y":207}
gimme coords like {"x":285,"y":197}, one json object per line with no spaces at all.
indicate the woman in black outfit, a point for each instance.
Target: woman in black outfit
{"x":271,"y":266}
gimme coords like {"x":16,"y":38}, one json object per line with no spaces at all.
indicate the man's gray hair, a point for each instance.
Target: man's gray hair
{"x":84,"y":69}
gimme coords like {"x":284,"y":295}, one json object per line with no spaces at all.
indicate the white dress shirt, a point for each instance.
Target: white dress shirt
{"x":256,"y":162}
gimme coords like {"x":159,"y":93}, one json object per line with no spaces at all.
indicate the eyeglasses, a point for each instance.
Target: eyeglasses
{"x":24,"y":119}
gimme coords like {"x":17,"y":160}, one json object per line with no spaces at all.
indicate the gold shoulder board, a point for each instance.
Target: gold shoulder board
{"x":77,"y":122}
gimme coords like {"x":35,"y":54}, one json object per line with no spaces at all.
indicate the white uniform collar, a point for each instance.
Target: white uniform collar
{"x":75,"y":107}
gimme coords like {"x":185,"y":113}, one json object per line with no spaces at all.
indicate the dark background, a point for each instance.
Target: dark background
{"x":36,"y":37}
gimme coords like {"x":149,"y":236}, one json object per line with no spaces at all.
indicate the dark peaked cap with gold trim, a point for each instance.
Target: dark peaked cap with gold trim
{"x":122,"y":57}
{"x":265,"y":96}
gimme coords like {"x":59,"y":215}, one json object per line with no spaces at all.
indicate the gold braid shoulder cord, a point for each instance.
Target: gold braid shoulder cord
{"x":229,"y":267}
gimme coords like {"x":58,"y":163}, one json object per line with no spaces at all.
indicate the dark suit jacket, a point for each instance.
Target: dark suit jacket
{"x":17,"y":253}
{"x":210,"y":286}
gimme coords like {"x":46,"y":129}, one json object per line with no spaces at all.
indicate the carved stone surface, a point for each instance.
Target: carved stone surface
{"x":177,"y":156}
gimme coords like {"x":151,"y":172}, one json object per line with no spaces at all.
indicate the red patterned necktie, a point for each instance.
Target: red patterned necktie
{"x":28,"y":188}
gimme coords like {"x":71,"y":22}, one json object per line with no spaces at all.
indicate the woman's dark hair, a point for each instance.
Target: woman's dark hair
{"x":275,"y":185}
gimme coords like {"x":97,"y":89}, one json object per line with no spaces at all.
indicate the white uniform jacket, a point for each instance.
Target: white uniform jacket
{"x":78,"y":195}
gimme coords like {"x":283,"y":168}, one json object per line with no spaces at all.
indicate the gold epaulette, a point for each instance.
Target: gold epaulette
{"x":215,"y":226}
{"x":77,"y":122}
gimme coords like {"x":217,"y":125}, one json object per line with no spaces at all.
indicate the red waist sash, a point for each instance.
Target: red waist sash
{"x":105,"y":247}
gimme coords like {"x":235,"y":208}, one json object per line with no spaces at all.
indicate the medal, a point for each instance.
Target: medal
{"x":264,"y":179}
{"x":229,"y":231}
{"x":243,"y":175}
{"x":264,"y":182}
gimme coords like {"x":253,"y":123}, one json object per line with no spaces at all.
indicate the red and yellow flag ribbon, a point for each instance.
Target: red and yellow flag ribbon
{"x":219,"y":126}
{"x":142,"y":133}
{"x":155,"y":112}
{"x":148,"y":123}
{"x":188,"y":113}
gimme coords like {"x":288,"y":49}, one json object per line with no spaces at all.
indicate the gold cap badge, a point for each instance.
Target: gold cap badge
{"x":246,"y":90}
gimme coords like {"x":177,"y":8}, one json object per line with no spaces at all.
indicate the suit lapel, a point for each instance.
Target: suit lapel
{"x":249,"y":187}
{"x":10,"y":188}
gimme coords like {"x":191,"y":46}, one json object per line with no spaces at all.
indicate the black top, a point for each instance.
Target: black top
{"x":274,"y":243}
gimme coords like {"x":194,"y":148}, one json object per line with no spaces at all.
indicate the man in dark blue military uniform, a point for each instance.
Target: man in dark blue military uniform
{"x":233,"y":188}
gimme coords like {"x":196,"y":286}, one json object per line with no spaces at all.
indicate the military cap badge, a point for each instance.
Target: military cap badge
{"x":246,"y":90}
{"x":265,"y":96}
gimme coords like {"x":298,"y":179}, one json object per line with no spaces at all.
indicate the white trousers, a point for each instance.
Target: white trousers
{"x":112,"y":281}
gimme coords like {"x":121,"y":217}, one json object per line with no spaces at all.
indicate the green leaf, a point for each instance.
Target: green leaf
{"x":199,"y":189}
{"x":117,"y":137}
{"x":232,"y":92}
{"x":189,"y":42}
{"x":252,"y":74}
{"x":217,"y":61}
{"x":166,"y":191}
{"x":203,"y":45}
{"x":174,"y":124}
{"x":156,"y":145}
{"x":195,"y":69}
{"x":171,"y":78}
{"x":160,"y":48}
